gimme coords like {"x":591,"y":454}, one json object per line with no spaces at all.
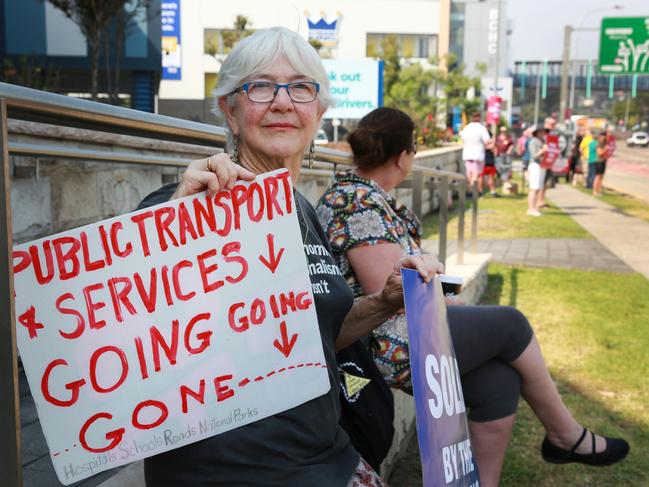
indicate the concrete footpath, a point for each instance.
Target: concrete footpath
{"x":624,"y":236}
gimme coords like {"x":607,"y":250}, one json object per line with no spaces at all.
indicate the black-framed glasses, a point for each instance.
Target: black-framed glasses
{"x":413,"y":147}
{"x":265,"y":91}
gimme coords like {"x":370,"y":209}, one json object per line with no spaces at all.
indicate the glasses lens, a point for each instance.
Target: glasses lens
{"x":261,"y":92}
{"x":303,"y":92}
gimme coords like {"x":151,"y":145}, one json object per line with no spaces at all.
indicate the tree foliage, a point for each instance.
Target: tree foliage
{"x":425,"y":92}
{"x":92,"y":17}
{"x":229,"y":37}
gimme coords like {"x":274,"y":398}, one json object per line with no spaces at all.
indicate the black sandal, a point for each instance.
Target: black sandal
{"x":616,"y":449}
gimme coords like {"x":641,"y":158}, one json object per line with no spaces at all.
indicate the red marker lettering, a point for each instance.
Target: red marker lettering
{"x":198,"y":396}
{"x":73,"y":387}
{"x":94,"y":358}
{"x":80,"y":325}
{"x":203,"y":336}
{"x":114,"y":437}
{"x":115,"y":228}
{"x":163,"y":218}
{"x":62,"y":258}
{"x":92,"y":306}
{"x":158,"y":341}
{"x":223,"y":391}
{"x":140,"y":220}
{"x":49,"y":262}
{"x":205,"y":270}
{"x":164,"y":412}
{"x":231,"y":248}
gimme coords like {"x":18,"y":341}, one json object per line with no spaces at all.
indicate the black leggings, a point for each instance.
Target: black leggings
{"x":486,"y":340}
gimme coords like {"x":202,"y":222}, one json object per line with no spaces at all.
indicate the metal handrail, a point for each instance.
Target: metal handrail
{"x":33,"y":105}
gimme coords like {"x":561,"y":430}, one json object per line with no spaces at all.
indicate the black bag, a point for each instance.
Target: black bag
{"x":367,"y":403}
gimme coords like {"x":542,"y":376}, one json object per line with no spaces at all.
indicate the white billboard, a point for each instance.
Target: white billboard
{"x":357,"y":86}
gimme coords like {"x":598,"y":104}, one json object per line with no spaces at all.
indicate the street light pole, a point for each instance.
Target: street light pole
{"x":571,"y":103}
{"x":565,"y":71}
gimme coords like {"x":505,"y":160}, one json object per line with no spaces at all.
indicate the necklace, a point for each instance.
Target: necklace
{"x":303,"y":219}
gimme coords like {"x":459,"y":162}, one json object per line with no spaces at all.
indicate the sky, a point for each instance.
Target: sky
{"x":538,"y":25}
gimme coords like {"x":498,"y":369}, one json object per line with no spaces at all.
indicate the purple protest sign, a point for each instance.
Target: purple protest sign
{"x":442,"y":426}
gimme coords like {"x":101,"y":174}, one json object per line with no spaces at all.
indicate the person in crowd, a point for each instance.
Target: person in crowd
{"x":550,"y":126}
{"x":272,"y":92}
{"x":536,"y":174}
{"x":495,"y":345}
{"x":523,"y":150}
{"x":575,"y":156}
{"x":490,"y":172}
{"x":603,"y":151}
{"x":611,"y":141}
{"x":504,"y":147}
{"x":475,"y":140}
{"x":586,"y":157}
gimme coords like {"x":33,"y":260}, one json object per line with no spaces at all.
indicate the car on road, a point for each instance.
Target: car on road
{"x":321,"y":138}
{"x":638,"y":139}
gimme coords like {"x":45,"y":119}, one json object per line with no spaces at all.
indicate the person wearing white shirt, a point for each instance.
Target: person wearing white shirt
{"x":475,"y":139}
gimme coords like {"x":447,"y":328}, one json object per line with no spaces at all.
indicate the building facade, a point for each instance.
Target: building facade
{"x":42,"y":48}
{"x":345,"y":30}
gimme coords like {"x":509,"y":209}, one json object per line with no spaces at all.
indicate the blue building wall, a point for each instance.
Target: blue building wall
{"x":34,"y":29}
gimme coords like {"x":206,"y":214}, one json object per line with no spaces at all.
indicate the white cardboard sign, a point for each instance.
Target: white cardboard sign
{"x":152,"y":330}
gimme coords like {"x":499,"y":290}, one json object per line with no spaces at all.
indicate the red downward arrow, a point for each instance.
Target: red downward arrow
{"x":286,"y":345}
{"x":273,"y":260}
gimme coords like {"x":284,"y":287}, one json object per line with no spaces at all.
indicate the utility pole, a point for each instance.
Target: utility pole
{"x":537,"y":98}
{"x":565,"y":72}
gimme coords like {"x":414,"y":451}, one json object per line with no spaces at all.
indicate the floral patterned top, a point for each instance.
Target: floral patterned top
{"x":355,"y":212}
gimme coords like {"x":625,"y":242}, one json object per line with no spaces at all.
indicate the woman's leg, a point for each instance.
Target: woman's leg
{"x":503,"y":333}
{"x":540,"y":392}
{"x":489,"y":441}
{"x":491,"y":393}
{"x":531,"y":199}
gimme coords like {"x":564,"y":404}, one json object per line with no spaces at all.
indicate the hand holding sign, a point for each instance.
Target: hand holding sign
{"x":153,"y":330}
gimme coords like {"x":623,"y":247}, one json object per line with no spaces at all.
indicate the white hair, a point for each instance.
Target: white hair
{"x":252,"y":55}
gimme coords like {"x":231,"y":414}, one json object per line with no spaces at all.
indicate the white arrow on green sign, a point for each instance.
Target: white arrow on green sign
{"x":624,"y":45}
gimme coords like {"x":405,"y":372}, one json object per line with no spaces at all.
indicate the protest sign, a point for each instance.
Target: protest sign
{"x":553,"y":152}
{"x":494,"y":104}
{"x":152,"y":330}
{"x":442,"y":426}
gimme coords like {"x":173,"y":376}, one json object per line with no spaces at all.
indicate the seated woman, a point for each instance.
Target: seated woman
{"x":273,"y":91}
{"x":495,"y":346}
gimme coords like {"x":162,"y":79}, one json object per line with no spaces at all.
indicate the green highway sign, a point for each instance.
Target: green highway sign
{"x":624,"y":45}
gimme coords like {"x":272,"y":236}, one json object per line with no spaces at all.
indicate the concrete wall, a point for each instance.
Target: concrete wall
{"x":52,"y":195}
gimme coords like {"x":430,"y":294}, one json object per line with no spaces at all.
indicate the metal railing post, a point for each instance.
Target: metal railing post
{"x":474,"y":218}
{"x":10,"y":459}
{"x":417,"y":193}
{"x":460,"y":223}
{"x":443,"y":219}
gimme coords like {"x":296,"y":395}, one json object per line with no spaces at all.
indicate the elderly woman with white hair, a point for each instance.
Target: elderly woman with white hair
{"x":273,"y":91}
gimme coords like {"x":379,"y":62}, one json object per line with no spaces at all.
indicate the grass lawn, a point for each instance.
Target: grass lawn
{"x":593,"y":329}
{"x":505,"y":218}
{"x":624,"y":203}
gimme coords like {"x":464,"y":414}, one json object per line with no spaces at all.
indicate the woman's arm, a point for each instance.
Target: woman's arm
{"x":378,"y":269}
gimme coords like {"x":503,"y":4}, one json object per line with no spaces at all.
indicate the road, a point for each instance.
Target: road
{"x":628,"y":171}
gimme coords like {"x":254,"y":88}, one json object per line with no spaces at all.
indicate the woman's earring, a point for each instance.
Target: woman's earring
{"x":234,"y":153}
{"x":311,"y":154}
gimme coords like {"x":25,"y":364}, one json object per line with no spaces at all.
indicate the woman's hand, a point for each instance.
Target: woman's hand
{"x":426,"y":264}
{"x":214,"y":173}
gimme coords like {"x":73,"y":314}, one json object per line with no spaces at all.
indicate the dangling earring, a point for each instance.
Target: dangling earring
{"x":234,"y":153}
{"x":311,"y":154}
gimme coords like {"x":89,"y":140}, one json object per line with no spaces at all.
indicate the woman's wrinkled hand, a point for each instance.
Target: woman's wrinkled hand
{"x":213,"y":174}
{"x":426,"y":265}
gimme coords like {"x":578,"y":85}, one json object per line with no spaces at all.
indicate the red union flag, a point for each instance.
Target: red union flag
{"x":493,"y":109}
{"x":552,"y":154}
